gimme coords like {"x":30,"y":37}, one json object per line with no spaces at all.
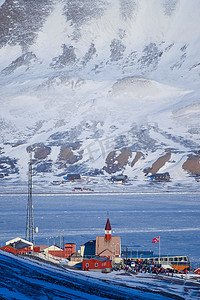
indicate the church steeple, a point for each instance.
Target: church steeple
{"x":108,"y":230}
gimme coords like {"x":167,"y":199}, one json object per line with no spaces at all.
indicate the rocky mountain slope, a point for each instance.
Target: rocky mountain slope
{"x":99,"y":88}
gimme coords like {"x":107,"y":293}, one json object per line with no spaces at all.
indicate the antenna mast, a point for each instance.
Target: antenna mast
{"x":29,"y":219}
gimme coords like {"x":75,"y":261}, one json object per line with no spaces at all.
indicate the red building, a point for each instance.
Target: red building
{"x":197,"y":271}
{"x":54,"y":250}
{"x":97,"y":264}
{"x":21,"y":246}
{"x":70,"y":249}
{"x":18,"y":246}
{"x":15,"y":250}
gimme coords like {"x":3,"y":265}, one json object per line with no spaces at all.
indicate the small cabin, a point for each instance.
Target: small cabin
{"x":119,"y":179}
{"x":72,"y":177}
{"x":160,"y":177}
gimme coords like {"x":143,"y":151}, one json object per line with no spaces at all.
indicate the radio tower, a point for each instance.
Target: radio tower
{"x":29,"y":218}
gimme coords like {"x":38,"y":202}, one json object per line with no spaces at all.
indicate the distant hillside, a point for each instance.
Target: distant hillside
{"x":99,"y":88}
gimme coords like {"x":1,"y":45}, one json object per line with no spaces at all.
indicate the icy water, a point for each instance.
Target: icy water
{"x":136,"y":218}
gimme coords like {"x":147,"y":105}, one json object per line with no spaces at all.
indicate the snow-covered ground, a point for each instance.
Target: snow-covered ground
{"x":29,"y":279}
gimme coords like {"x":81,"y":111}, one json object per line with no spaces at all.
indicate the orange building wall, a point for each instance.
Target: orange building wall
{"x":70,"y":249}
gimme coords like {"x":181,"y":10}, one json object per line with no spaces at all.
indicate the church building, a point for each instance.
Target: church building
{"x":108,"y":246}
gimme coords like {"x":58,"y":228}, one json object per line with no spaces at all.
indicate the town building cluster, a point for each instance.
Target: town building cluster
{"x":97,"y":255}
{"x":102,"y":254}
{"x":117,"y":179}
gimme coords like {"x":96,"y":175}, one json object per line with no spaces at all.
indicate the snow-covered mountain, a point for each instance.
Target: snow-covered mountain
{"x":100,"y":87}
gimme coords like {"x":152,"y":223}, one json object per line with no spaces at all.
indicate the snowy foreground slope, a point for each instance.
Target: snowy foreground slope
{"x":28,"y":279}
{"x":100,"y":88}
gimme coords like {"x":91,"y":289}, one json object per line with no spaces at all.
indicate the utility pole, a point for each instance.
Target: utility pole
{"x":126,"y":256}
{"x":29,"y":219}
{"x":60,"y":239}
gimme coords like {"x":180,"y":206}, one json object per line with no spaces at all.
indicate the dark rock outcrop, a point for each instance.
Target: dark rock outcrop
{"x":67,"y":155}
{"x":192,"y":165}
{"x":40,"y":150}
{"x":115,"y":163}
{"x":136,"y":158}
{"x":158,"y":164}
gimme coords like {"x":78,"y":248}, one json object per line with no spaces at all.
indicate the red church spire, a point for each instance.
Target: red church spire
{"x":108,"y":230}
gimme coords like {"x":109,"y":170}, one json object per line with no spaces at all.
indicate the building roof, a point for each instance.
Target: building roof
{"x":91,"y":242}
{"x":53,"y":248}
{"x":75,"y":176}
{"x":15,"y":240}
{"x":108,"y":226}
{"x":106,"y":252}
{"x":19,"y":245}
{"x":160,"y":174}
{"x":99,"y":258}
{"x":119,"y":178}
{"x":76,"y":254}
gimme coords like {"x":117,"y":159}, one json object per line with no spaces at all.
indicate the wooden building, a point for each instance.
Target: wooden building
{"x":18,"y":246}
{"x":72,"y":177}
{"x":119,"y":179}
{"x":160,"y":177}
{"x":54,"y":250}
{"x":108,"y":246}
{"x":97,"y":264}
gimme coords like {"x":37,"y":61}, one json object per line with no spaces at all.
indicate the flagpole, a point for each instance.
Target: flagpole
{"x":159,"y":250}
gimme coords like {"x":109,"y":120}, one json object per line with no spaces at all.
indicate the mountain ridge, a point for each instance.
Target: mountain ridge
{"x":85,"y":79}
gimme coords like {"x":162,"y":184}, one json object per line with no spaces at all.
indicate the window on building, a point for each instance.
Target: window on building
{"x":180,"y":258}
{"x":87,"y":265}
{"x":96,"y":264}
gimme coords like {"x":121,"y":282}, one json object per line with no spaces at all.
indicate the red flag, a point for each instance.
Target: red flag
{"x":156,"y":240}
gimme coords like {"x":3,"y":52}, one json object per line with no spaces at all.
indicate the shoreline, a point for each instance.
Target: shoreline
{"x":38,"y":193}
